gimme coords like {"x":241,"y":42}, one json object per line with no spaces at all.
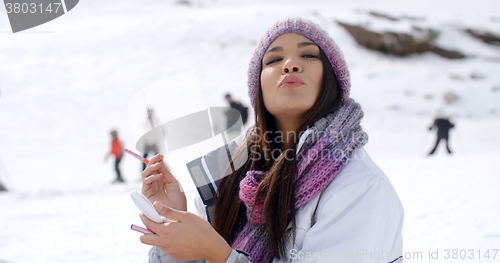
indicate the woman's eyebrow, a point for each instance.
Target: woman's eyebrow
{"x":301,"y":44}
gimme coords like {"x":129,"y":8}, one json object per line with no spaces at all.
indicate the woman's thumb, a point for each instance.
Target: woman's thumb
{"x":167,"y":212}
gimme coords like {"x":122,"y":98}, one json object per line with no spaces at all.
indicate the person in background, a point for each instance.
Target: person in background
{"x":443,"y":125}
{"x":117,"y":151}
{"x":151,"y":142}
{"x":2,"y":187}
{"x":239,"y":107}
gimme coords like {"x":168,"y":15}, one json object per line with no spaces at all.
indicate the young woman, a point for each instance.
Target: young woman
{"x":308,"y":192}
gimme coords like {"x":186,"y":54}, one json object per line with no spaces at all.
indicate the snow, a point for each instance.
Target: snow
{"x":65,"y":84}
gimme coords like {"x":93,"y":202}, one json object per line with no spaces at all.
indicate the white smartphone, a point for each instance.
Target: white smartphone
{"x":146,"y":207}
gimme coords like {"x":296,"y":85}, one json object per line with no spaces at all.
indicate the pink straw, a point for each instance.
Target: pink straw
{"x":137,"y":156}
{"x":141,"y":229}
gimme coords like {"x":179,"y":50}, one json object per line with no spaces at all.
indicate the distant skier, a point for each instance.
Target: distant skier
{"x":117,"y":151}
{"x":443,"y":125}
{"x":2,"y":187}
{"x":231,"y":117}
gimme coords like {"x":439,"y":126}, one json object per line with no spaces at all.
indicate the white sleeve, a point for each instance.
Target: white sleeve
{"x":156,"y":255}
{"x":199,"y":207}
{"x":357,"y":222}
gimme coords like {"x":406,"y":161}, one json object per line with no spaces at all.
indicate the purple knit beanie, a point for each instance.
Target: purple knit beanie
{"x":315,"y":34}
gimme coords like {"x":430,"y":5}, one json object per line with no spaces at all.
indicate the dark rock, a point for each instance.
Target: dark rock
{"x":412,"y":18}
{"x":451,"y":54}
{"x":484,"y":36}
{"x":400,"y":44}
{"x":393,"y":18}
{"x":364,"y":37}
{"x":380,"y":15}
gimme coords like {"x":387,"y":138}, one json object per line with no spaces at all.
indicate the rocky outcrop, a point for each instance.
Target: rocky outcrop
{"x":394,"y":18}
{"x":380,"y":15}
{"x":447,"y":53}
{"x":484,"y":36}
{"x":400,"y":44}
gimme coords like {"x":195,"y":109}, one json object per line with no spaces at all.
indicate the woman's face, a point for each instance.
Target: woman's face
{"x":291,"y":75}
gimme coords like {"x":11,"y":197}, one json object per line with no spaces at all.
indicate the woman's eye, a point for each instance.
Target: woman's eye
{"x":310,"y":56}
{"x":273,"y":60}
{"x":278,"y":59}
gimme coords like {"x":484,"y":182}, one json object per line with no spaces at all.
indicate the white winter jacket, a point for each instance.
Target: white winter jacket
{"x":358,"y":217}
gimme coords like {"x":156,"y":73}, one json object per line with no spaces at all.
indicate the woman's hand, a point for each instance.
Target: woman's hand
{"x":158,"y":184}
{"x":187,"y":237}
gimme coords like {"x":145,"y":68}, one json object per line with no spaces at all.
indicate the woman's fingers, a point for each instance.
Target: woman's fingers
{"x":170,"y":213}
{"x":150,"y":224}
{"x":156,"y":158}
{"x":168,"y":175}
{"x":152,"y":178}
{"x":150,"y":169}
{"x":150,"y":239}
{"x":158,"y":228}
{"x":157,"y":165}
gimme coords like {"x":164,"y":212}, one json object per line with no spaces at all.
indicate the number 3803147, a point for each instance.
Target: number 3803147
{"x":26,"y":8}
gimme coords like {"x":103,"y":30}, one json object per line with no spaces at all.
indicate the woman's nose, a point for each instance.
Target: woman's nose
{"x":291,"y":66}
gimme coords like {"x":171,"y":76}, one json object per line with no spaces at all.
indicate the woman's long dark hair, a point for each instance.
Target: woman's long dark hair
{"x":276,"y":189}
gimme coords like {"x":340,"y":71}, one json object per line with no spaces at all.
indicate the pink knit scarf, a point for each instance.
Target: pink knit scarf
{"x":326,"y":150}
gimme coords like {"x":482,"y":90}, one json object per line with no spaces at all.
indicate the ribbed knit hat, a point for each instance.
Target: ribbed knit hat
{"x":313,"y":32}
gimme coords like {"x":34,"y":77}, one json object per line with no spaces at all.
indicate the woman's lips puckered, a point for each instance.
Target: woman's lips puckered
{"x":291,"y":85}
{"x":290,"y":82}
